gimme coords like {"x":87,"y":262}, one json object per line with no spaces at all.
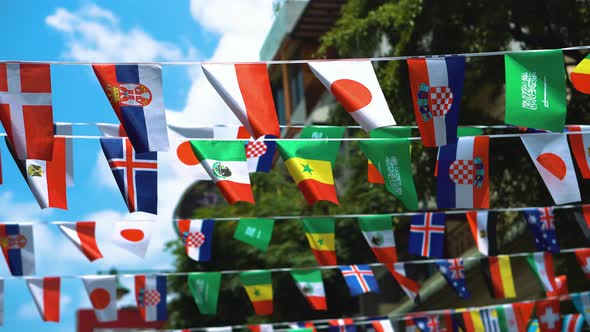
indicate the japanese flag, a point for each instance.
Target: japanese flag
{"x":133,"y":236}
{"x":102,"y":291}
{"x":551,"y":156}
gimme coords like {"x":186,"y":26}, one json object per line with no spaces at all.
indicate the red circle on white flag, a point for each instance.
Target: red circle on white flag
{"x":100,"y":298}
{"x":553,"y":164}
{"x":132,"y":234}
{"x":185,"y":154}
{"x":353,"y":95}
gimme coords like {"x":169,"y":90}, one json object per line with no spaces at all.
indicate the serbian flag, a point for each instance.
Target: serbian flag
{"x":135,"y":92}
{"x":197,"y":235}
{"x":18,"y":248}
{"x":437,"y":85}
{"x":46,"y":294}
{"x":245,"y":88}
{"x":82,"y":235}
{"x":583,"y":257}
{"x":150,"y":295}
{"x":580,"y":145}
{"x":26,"y":111}
{"x":463,"y":174}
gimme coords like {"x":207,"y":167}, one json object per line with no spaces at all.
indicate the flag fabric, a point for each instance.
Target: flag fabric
{"x":197,"y":236}
{"x":258,"y":285}
{"x":355,"y":86}
{"x":409,"y":286}
{"x":226,"y":164}
{"x":321,"y":238}
{"x":382,"y":325}
{"x":261,"y":328}
{"x":311,"y":285}
{"x":572,"y":323}
{"x":454,"y":272}
{"x":135,"y":92}
{"x":1,"y":301}
{"x":341,"y":325}
{"x":428,"y":323}
{"x":427,"y":235}
{"x":256,"y":232}
{"x":463,"y":174}
{"x":310,"y":166}
{"x":204,"y":287}
{"x":498,"y":276}
{"x":580,"y":145}
{"x":373,"y":174}
{"x":534,"y":326}
{"x":46,"y":295}
{"x":150,"y":296}
{"x":303,"y":327}
{"x":583,"y":219}
{"x":378,"y":232}
{"x":583,"y":258}
{"x":541,"y":223}
{"x":246,"y":90}
{"x":260,"y":154}
{"x":26,"y":111}
{"x":64,"y":129}
{"x":535,"y":90}
{"x":483,"y":229}
{"x":317,"y":132}
{"x":548,"y":314}
{"x":409,"y":325}
{"x":133,"y":236}
{"x":541,"y":263}
{"x":82,"y":235}
{"x":136,"y":174}
{"x":437,"y":86}
{"x":102,"y":291}
{"x":18,"y":248}
{"x":551,"y":157}
{"x":392,"y":158}
{"x":461,"y":132}
{"x":561,"y":287}
{"x":509,"y":319}
{"x":360,"y":279}
{"x":582,"y":303}
{"x":580,"y":76}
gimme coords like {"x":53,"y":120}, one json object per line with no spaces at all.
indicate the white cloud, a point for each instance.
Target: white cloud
{"x":12,"y":210}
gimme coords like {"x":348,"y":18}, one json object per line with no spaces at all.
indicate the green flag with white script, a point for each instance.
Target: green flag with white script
{"x":204,"y":287}
{"x":535,"y":90}
{"x":256,"y":232}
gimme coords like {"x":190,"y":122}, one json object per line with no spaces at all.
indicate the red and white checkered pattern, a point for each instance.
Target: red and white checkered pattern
{"x":195,"y":239}
{"x":462,"y":171}
{"x":255,"y":149}
{"x":441,"y":99}
{"x":151,"y":297}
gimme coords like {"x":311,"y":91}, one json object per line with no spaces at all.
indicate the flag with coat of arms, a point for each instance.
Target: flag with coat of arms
{"x":197,"y":235}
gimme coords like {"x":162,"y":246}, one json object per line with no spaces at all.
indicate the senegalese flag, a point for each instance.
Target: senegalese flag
{"x":310,"y":164}
{"x":320,"y":234}
{"x":258,"y":285}
{"x":311,"y":285}
{"x":226,"y":164}
{"x":373,"y":174}
{"x":580,"y":76}
{"x":498,"y":276}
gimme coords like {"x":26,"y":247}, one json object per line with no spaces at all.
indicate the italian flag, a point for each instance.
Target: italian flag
{"x":542,"y":265}
{"x":310,"y":165}
{"x":509,"y":320}
{"x":310,"y":283}
{"x":258,"y":285}
{"x":226,"y":164}
{"x":320,"y":235}
{"x":378,"y":232}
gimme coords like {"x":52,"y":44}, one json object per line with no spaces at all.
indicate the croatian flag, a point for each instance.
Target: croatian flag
{"x":150,"y":294}
{"x":135,"y":92}
{"x":260,"y":153}
{"x":197,"y":235}
{"x":437,"y":86}
{"x":463,"y":174}
{"x":16,"y":241}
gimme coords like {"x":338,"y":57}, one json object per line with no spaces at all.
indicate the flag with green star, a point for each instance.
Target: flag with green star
{"x":258,"y":285}
{"x":321,"y":238}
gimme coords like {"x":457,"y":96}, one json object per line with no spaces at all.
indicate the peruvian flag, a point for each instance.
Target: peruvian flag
{"x":382,"y":325}
{"x":82,"y":235}
{"x":580,"y":145}
{"x":245,"y":88}
{"x":102,"y":291}
{"x":583,"y":257}
{"x":25,"y":109}
{"x":551,"y":157}
{"x":46,"y":294}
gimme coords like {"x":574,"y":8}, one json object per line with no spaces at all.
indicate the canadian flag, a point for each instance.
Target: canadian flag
{"x":46,"y":294}
{"x":133,"y":236}
{"x":551,"y":156}
{"x":102,"y":291}
{"x":355,"y":85}
{"x":82,"y":235}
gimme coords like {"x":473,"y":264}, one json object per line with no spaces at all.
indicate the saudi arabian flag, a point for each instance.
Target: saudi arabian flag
{"x":317,"y":132}
{"x":535,"y":90}
{"x":393,"y":160}
{"x":258,"y":285}
{"x":256,"y":232}
{"x":204,"y":287}
{"x":311,"y":285}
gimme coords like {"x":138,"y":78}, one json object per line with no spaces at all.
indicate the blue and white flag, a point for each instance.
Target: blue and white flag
{"x":260,"y":153}
{"x":360,"y":279}
{"x":150,"y":295}
{"x":541,"y":223}
{"x":427,"y":235}
{"x":454,"y":272}
{"x":16,"y":241}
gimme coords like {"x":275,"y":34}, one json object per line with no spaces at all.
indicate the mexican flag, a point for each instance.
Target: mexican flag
{"x":378,"y":232}
{"x":311,"y":285}
{"x":258,"y":285}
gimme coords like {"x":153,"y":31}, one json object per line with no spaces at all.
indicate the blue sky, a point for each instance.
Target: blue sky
{"x":117,"y":31}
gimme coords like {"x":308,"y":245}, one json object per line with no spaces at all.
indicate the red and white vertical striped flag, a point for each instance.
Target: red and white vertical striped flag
{"x":382,"y":325}
{"x":82,"y":235}
{"x":46,"y":294}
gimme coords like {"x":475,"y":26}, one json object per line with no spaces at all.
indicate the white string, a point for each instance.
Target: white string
{"x":299,"y":61}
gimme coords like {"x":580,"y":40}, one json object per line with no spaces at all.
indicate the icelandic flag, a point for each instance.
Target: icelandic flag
{"x":135,"y":92}
{"x":541,"y":223}
{"x":136,"y":174}
{"x":427,"y":235}
{"x":437,"y":86}
{"x":260,"y":153}
{"x":150,"y":294}
{"x":16,"y":241}
{"x":197,"y":235}
{"x":360,"y":279}
{"x":463,"y":174}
